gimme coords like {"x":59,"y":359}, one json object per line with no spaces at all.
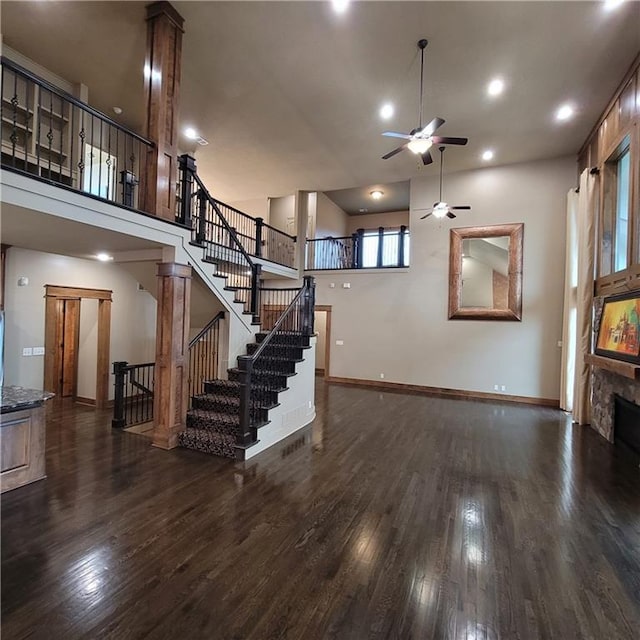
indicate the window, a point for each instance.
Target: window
{"x":388,"y":255}
{"x":622,"y":212}
{"x":616,"y":210}
{"x":99,"y":175}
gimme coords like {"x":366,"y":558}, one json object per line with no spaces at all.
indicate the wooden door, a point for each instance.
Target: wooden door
{"x":69,"y":332}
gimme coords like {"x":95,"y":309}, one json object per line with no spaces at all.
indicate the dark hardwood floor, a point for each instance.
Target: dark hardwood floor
{"x":393,"y":516}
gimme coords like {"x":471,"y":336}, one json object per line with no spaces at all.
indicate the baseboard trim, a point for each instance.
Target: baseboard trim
{"x":445,"y":393}
{"x":319,"y":372}
{"x":90,"y":401}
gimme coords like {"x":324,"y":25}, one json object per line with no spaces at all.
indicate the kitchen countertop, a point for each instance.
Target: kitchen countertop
{"x":18,"y":398}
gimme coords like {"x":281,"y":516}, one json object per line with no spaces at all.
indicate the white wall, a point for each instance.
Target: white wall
{"x":396,"y":323}
{"x":256,"y":208}
{"x":282,"y":214}
{"x":393,"y":219}
{"x":331,"y":220}
{"x":133,"y":314}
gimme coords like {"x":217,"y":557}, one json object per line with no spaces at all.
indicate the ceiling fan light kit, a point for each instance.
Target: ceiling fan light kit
{"x":441,"y":209}
{"x":421,"y":139}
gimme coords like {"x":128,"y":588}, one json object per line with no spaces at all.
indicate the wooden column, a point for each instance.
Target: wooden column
{"x":172,"y":353}
{"x":162,"y":89}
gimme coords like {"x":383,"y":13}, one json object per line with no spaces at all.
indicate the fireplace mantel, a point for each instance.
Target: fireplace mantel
{"x":626,"y":369}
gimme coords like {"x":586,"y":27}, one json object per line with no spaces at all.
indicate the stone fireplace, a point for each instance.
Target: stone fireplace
{"x":606,"y":384}
{"x":610,"y":378}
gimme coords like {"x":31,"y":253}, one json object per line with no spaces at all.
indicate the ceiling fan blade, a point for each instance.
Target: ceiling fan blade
{"x":426,"y":158}
{"x":451,"y":215}
{"x":395,"y":134}
{"x":393,"y":153}
{"x":426,"y":215}
{"x":465,"y":207}
{"x":436,"y":123}
{"x":445,"y":140}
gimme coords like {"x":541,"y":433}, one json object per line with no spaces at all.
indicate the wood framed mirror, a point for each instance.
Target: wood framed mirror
{"x":485,"y":272}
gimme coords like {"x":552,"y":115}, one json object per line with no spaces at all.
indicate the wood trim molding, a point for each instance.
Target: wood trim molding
{"x":515,"y":232}
{"x":445,"y":393}
{"x":54,"y":294}
{"x":71,"y":293}
{"x":326,"y":372}
{"x":628,"y":76}
{"x":626,"y":369}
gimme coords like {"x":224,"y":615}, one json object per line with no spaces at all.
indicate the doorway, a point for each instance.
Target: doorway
{"x":62,"y":336}
{"x":322,"y":324}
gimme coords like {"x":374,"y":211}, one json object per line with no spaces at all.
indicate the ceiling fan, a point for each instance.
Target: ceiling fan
{"x":441,"y":209}
{"x":420,"y":139}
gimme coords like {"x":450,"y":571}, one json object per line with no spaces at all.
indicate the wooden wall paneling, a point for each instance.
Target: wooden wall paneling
{"x":172,"y":348}
{"x":104,"y":352}
{"x":51,"y":342}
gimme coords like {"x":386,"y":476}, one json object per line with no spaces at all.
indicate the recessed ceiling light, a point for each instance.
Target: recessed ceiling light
{"x":487,"y":155}
{"x":191,"y":133}
{"x":495,"y":87}
{"x":609,"y":5}
{"x":386,"y":111}
{"x":376,"y":194}
{"x":340,"y":6}
{"x":104,"y":257}
{"x":363,"y":210}
{"x":117,"y":110}
{"x":565,"y":112}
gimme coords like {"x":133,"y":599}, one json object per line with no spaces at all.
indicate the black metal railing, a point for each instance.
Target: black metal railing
{"x":261,"y":370}
{"x":273,"y":303}
{"x":205,"y":215}
{"x":377,"y":249}
{"x":133,"y":396}
{"x":204,"y":356}
{"x":221,"y":244}
{"x":49,"y":134}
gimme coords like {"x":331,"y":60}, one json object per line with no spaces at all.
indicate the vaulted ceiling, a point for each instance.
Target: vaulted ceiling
{"x":288,"y":93}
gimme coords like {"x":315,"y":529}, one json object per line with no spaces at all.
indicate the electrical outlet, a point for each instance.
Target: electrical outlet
{"x":559,"y":343}
{"x":503,"y":388}
{"x":495,"y":387}
{"x":332,"y":285}
{"x":346,"y":285}
{"x":339,"y":342}
{"x":382,"y":376}
{"x":38,"y":351}
{"x":27,"y":351}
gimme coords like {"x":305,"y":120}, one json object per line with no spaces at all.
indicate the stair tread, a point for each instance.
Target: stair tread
{"x":232,"y":401}
{"x":216,"y":416}
{"x":263,"y":372}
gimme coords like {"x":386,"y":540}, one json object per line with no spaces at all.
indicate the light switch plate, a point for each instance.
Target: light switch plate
{"x":27,"y":351}
{"x":38,"y":351}
{"x":339,"y":342}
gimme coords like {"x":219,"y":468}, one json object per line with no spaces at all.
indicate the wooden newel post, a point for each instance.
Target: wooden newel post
{"x":170,"y":400}
{"x":162,"y":71}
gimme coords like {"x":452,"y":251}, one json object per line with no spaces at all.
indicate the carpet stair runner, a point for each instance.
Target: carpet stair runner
{"x":213,"y":422}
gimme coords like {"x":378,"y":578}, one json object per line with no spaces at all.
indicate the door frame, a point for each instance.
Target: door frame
{"x":54,"y":293}
{"x":327,"y":341}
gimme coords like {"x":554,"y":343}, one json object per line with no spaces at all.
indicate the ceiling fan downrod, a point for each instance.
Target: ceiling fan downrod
{"x":422,"y":45}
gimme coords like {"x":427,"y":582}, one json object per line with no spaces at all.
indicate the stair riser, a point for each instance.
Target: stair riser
{"x":281,"y":366}
{"x":272,"y":382}
{"x":267,"y":397}
{"x":278,"y":351}
{"x":216,"y":426}
{"x":286,"y":341}
{"x":257,"y":414}
{"x":198,"y":441}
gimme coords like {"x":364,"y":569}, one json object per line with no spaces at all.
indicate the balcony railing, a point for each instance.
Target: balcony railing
{"x":49,"y":134}
{"x":376,"y":249}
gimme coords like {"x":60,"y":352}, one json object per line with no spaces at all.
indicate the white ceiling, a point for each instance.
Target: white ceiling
{"x":287,"y":93}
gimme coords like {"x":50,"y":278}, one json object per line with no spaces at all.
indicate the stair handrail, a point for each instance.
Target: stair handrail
{"x":189,"y":173}
{"x":246,"y":363}
{"x":219,"y":316}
